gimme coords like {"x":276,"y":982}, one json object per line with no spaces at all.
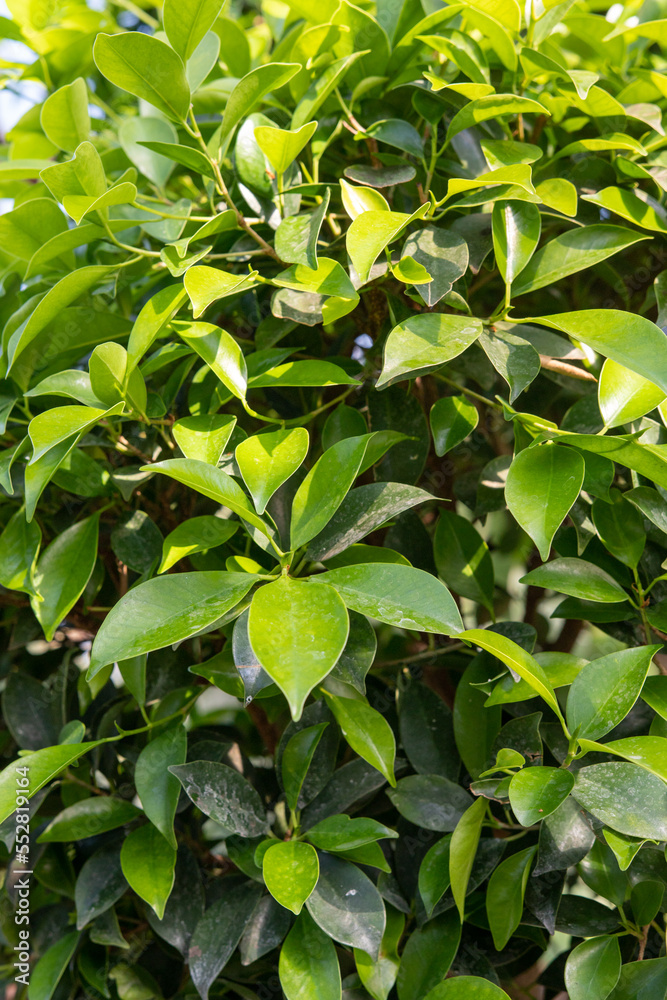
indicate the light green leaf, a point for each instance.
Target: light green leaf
{"x":422,"y":343}
{"x":366,"y":731}
{"x":577,"y":578}
{"x":197,"y":534}
{"x":371,"y":232}
{"x":649,"y":752}
{"x":296,"y":760}
{"x":399,"y":595}
{"x":204,"y":437}
{"x":324,"y":488}
{"x":164,"y":611}
{"x":267,"y":460}
{"x":517,"y":659}
{"x":629,"y":206}
{"x":64,"y":115}
{"x":494,"y":106}
{"x":213,"y":483}
{"x":53,"y":427}
{"x":48,"y":971}
{"x":361,"y":199}
{"x":559,"y":194}
{"x":187,"y":21}
{"x":297,"y":631}
{"x":249,"y":91}
{"x":542,"y":484}
{"x":625,"y":396}
{"x":148,"y":863}
{"x":629,"y":339}
{"x":516,"y":232}
{"x":304,"y":373}
{"x":146,"y":67}
{"x":282,"y":146}
{"x":573,"y":251}
{"x":593,"y":969}
{"x":297,"y":235}
{"x":218,"y":349}
{"x":206,"y":285}
{"x":536,"y":792}
{"x":308,"y":965}
{"x":462,"y":850}
{"x":19,"y":546}
{"x":467,"y":988}
{"x":322,"y":86}
{"x":39,"y":768}
{"x":291,"y":871}
{"x":31,"y":225}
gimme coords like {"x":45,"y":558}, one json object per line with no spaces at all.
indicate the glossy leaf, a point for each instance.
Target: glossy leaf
{"x":157,"y":788}
{"x":536,"y":792}
{"x":308,"y":963}
{"x":505,"y":895}
{"x":291,"y":871}
{"x":463,"y":559}
{"x":366,"y":731}
{"x":267,"y":460}
{"x":224,"y":795}
{"x":148,"y":864}
{"x":420,"y":344}
{"x":603,"y":693}
{"x":147,"y":68}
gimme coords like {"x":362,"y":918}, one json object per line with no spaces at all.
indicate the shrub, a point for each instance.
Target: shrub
{"x":333,"y":421}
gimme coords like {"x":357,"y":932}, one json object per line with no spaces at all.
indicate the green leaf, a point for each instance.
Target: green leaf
{"x":467,"y":988}
{"x":347,"y":906}
{"x":647,"y":977}
{"x":51,"y":966}
{"x":443,"y":254}
{"x":308,"y":963}
{"x":164,"y":611}
{"x":621,"y":529}
{"x":187,"y":21}
{"x":204,"y":437}
{"x":463,"y":559}
{"x":427,"y":732}
{"x":361,"y":199}
{"x":324,"y":488}
{"x":31,"y":225}
{"x":366,"y":731}
{"x":206,"y":285}
{"x":187,"y":156}
{"x":302,"y":373}
{"x":577,"y":578}
{"x":157,"y":788}
{"x":513,"y":357}
{"x":296,"y":760}
{"x":322,"y":86}
{"x":298,"y":631}
{"x":625,"y":396}
{"x":64,"y":115}
{"x":213,"y":483}
{"x":250,"y":90}
{"x":624,"y":796}
{"x":422,"y":343}
{"x":399,"y":595}
{"x":428,"y":955}
{"x":267,"y":460}
{"x":452,"y":419}
{"x":363,"y":509}
{"x":606,"y":689}
{"x":340,"y":833}
{"x":296,"y":236}
{"x":516,"y":232}
{"x":517,"y":659}
{"x":504,"y":896}
{"x":629,"y":206}
{"x":146,"y":67}
{"x":434,"y":879}
{"x":462,"y":851}
{"x":224,"y":795}
{"x":62,"y":573}
{"x":493,"y":106}
{"x":536,"y":792}
{"x":631,"y":340}
{"x":217,"y":348}
{"x":430,"y":801}
{"x":88,"y":818}
{"x":379,"y":977}
{"x":571,"y":252}
{"x":542,"y":484}
{"x":19,"y":547}
{"x":291,"y":871}
{"x":282,"y":146}
{"x":197,"y":534}
{"x":647,"y":751}
{"x":148,"y":864}
{"x":371,"y":232}
{"x":152,"y":319}
{"x":39,"y":767}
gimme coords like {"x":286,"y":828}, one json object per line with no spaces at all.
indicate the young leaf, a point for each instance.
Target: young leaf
{"x":156,"y":786}
{"x":536,"y":792}
{"x":462,"y":850}
{"x":267,"y":460}
{"x":63,"y":572}
{"x":291,"y":871}
{"x":187,"y":21}
{"x":367,"y":732}
{"x":64,"y":115}
{"x":148,"y":864}
{"x":297,"y":630}
{"x":605,"y":690}
{"x":504,"y":898}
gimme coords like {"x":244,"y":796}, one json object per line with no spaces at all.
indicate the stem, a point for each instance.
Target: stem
{"x":468,"y":392}
{"x":222,"y":189}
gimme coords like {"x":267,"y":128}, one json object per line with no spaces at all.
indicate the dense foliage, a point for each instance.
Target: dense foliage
{"x":333,"y":395}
